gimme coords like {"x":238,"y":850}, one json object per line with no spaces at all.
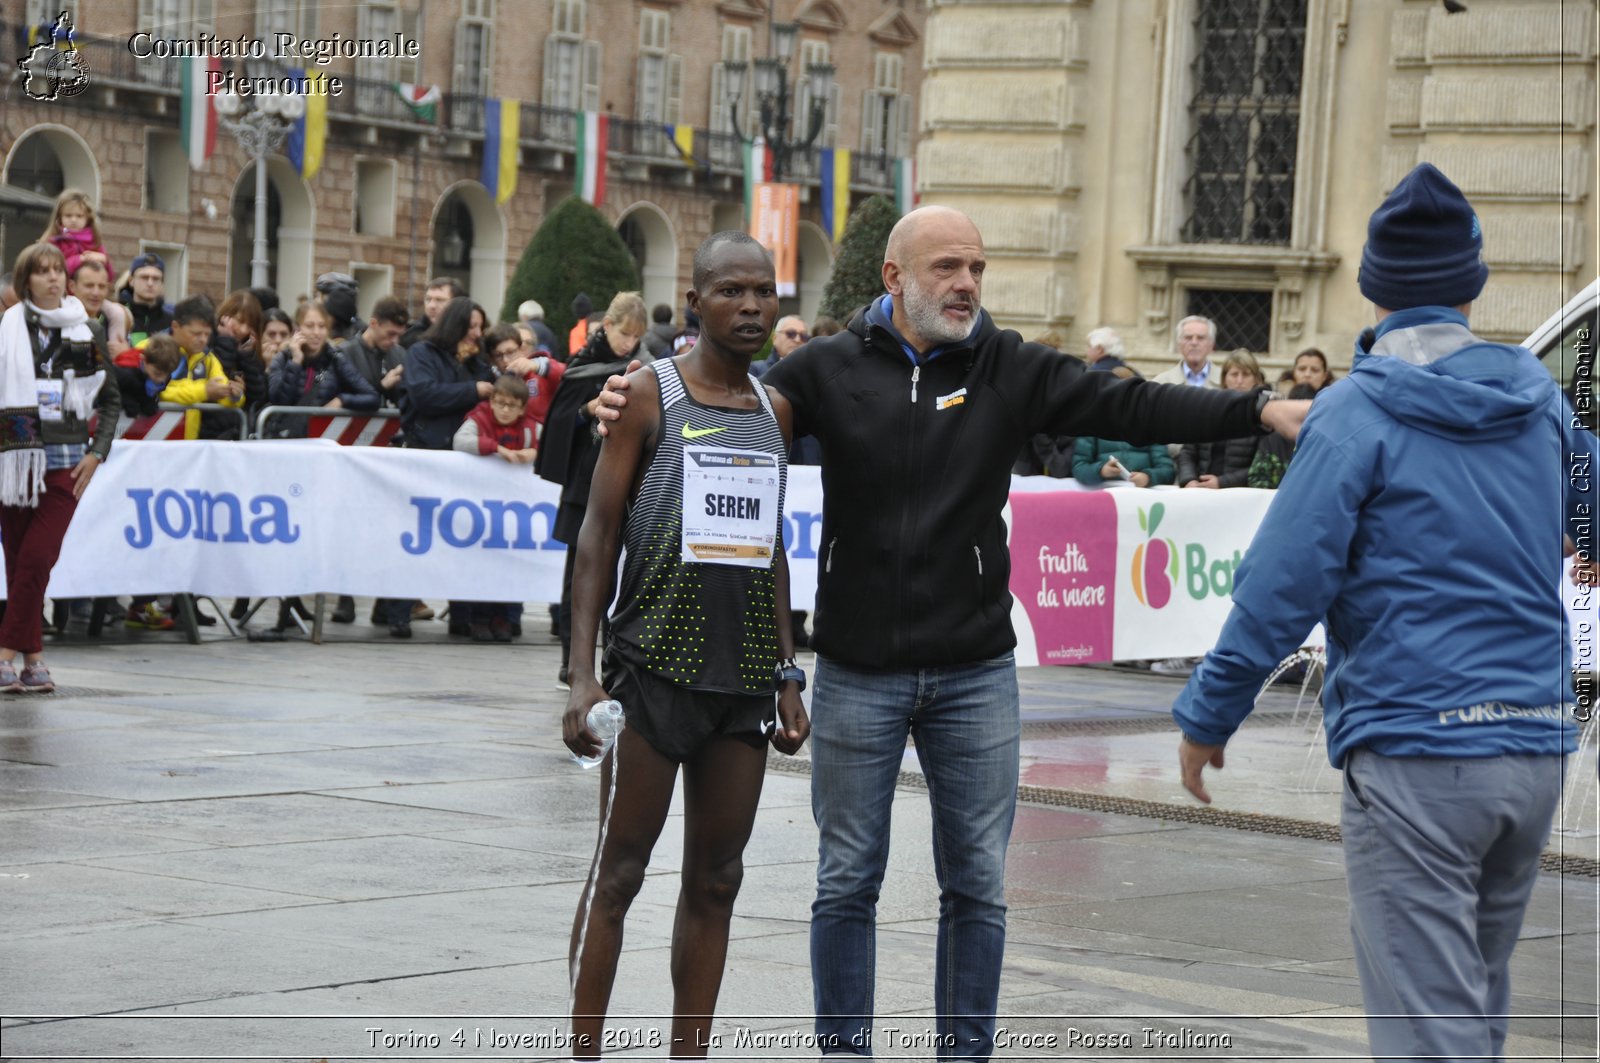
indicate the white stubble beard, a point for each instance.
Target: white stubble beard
{"x":925,"y":312}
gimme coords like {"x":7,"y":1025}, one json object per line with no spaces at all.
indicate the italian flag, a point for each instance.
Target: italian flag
{"x":422,"y":99}
{"x":591,"y":158}
{"x":757,"y":170}
{"x":198,"y":114}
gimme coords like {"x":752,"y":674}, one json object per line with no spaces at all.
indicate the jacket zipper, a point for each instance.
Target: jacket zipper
{"x":979,"y":552}
{"x":831,"y":544}
{"x":910,"y":507}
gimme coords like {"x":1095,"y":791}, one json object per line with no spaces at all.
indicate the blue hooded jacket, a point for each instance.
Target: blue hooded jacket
{"x":1421,"y":520}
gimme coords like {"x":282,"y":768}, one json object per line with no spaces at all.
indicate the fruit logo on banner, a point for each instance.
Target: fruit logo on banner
{"x":1063,"y":575}
{"x":1155,"y":561}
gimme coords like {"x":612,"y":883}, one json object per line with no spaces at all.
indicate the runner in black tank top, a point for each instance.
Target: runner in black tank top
{"x":697,"y":466}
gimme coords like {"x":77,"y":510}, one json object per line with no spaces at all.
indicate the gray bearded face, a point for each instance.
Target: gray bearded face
{"x":926,"y":313}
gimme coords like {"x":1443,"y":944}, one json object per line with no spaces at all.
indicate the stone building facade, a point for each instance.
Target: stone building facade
{"x":398,"y":200}
{"x":1131,"y":162}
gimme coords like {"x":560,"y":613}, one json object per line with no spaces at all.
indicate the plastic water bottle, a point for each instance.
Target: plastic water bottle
{"x":605,"y":720}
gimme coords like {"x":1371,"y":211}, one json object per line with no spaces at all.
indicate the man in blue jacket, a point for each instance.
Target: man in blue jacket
{"x":1423,"y":520}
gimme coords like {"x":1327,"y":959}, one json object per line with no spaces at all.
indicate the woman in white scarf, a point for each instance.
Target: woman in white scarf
{"x":52,"y":379}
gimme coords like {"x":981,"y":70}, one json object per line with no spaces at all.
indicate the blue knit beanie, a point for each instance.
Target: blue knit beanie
{"x":1424,"y":246}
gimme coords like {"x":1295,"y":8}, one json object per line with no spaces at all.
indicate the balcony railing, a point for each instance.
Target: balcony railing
{"x":109,"y":61}
{"x":369,"y":100}
{"x":372,"y":100}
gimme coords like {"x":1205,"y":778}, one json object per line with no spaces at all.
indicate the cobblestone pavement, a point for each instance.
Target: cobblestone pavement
{"x":372,"y":849}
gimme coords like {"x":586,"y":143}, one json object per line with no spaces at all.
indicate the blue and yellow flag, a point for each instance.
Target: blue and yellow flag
{"x":310,"y":133}
{"x":834,"y":166}
{"x":502,"y":120}
{"x":683,"y":137}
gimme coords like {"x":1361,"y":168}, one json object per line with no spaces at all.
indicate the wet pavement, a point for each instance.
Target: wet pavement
{"x":372,"y":849}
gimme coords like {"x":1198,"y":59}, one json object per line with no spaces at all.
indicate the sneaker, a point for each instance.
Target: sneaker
{"x":241,"y":606}
{"x":36,"y":679}
{"x":345,"y":612}
{"x":420,"y":611}
{"x":1174,"y":665}
{"x":501,"y":629}
{"x":561,"y":680}
{"x":9,"y":682}
{"x":149,"y":615}
{"x":401,"y":630}
{"x":480,"y":631}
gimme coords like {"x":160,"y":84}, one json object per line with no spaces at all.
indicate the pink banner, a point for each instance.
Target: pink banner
{"x":1063,"y":573}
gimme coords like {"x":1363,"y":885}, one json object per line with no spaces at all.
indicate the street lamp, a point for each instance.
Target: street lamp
{"x":261,"y":131}
{"x":773,"y":91}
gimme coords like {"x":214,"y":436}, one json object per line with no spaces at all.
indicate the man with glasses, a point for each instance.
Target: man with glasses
{"x":790,"y":333}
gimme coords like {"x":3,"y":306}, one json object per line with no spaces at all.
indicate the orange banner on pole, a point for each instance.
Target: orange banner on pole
{"x":775,"y":222}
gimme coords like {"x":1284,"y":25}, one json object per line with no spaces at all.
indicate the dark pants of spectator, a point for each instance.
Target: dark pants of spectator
{"x":489,"y":612}
{"x":398,"y":611}
{"x":31,"y":537}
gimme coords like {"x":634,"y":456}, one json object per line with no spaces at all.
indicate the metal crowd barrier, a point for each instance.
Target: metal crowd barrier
{"x":348,"y":428}
{"x":170,"y":421}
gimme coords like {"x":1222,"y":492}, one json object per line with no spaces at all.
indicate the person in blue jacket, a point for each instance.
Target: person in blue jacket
{"x":1422,"y":521}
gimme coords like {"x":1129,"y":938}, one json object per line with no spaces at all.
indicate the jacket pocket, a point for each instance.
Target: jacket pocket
{"x":847,"y":595}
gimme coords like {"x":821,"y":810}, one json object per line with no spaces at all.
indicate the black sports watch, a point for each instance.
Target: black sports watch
{"x":788,"y":670}
{"x":1264,"y":396}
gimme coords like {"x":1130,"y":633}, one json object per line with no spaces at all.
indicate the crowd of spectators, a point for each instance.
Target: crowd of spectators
{"x":450,"y":379}
{"x":1250,"y":461}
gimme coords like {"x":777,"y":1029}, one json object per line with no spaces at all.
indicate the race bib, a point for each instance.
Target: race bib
{"x":730,"y":506}
{"x":50,"y":393}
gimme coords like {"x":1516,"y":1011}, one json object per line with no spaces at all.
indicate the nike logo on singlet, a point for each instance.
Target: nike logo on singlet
{"x":696,"y":433}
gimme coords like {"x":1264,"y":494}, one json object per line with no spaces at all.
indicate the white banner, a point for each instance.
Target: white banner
{"x":230,"y":519}
{"x":1098,"y":575}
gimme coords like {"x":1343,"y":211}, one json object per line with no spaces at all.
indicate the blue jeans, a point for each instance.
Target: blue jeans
{"x":967,"y":728}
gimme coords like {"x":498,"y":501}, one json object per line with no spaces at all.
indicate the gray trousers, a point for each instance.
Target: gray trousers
{"x":1441,"y":856}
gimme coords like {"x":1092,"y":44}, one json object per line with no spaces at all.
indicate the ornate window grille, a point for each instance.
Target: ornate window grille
{"x":1245,"y":120}
{"x":1243,"y":318}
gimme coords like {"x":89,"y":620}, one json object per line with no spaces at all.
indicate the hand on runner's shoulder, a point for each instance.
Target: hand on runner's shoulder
{"x":613,"y":399}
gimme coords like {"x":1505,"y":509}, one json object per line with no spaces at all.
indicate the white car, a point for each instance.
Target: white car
{"x":1565,"y":343}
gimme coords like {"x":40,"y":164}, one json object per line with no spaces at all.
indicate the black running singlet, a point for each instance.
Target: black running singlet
{"x":697,"y":596}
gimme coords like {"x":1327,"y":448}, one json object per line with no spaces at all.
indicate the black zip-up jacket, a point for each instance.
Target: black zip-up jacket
{"x":913,"y":569}
{"x":214,"y":425}
{"x":437,"y":391}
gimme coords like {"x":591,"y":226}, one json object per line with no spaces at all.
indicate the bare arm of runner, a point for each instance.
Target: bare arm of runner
{"x":793,"y":724}
{"x":615,"y":475}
